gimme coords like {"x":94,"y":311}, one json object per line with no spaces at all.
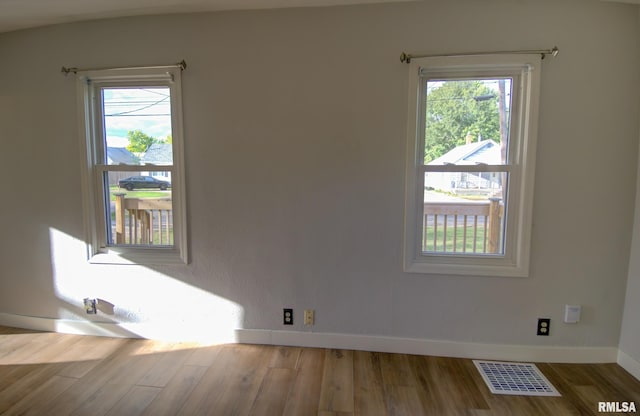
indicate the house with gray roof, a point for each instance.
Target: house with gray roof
{"x":158,"y":154}
{"x":485,"y":151}
{"x":120,"y":156}
{"x":474,"y":153}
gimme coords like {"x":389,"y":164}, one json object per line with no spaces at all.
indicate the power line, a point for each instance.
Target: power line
{"x":139,"y":109}
{"x":136,"y":115}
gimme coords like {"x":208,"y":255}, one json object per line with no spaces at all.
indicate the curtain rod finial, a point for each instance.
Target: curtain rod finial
{"x":553,"y":52}
{"x":404,"y":57}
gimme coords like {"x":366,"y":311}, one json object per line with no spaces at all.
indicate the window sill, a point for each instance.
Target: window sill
{"x":139,"y":256}
{"x":479,"y":268}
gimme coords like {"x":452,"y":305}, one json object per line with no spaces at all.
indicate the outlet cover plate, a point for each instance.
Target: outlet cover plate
{"x":287,"y":316}
{"x":544,"y":326}
{"x":309,"y":317}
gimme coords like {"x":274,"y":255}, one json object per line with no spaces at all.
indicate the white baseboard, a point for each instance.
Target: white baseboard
{"x":431,"y":347}
{"x":179,"y":331}
{"x":629,"y":363}
{"x":327,"y":340}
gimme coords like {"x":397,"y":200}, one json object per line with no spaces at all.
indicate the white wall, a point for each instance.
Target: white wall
{"x":295,"y":151}
{"x":630,"y":335}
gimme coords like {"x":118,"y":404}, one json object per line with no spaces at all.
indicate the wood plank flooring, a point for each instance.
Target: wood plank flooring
{"x":57,"y":374}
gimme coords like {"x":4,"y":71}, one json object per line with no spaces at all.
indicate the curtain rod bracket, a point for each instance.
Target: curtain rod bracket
{"x":66,"y":70}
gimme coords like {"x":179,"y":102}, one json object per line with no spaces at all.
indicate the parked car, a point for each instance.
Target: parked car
{"x":137,"y":182}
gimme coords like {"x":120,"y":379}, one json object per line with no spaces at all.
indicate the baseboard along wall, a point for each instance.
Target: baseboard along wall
{"x":526,"y":353}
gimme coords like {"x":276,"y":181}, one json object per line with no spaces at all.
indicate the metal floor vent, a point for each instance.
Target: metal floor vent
{"x":520,"y":379}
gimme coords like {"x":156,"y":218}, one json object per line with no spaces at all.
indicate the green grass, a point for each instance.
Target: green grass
{"x":144,"y":193}
{"x":461,"y":246}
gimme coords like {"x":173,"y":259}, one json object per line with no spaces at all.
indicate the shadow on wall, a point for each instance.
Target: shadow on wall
{"x":134,"y":301}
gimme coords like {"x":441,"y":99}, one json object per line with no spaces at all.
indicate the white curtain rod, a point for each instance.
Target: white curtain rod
{"x":65,"y":70}
{"x":406,"y":57}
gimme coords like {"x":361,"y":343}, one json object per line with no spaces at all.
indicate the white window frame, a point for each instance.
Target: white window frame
{"x":94,"y":147}
{"x":525,"y":72}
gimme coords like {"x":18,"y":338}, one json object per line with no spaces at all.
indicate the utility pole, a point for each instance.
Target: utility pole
{"x":502,"y":111}
{"x":504,"y":133}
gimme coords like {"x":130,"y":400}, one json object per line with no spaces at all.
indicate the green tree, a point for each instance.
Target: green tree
{"x":456,"y":109}
{"x":139,"y":141}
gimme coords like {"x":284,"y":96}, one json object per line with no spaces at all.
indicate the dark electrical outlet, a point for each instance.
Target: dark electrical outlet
{"x":287,"y":316}
{"x":544,"y":325}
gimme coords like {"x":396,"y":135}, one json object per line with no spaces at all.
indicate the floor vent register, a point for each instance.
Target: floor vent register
{"x":522,"y":379}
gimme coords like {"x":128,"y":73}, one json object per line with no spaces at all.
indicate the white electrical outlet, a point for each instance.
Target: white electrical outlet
{"x":90,"y":305}
{"x":308,"y":317}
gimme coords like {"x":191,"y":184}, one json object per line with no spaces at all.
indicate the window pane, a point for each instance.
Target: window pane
{"x":137,"y":125}
{"x":467,"y":121}
{"x":464,"y":213}
{"x":139,"y":210}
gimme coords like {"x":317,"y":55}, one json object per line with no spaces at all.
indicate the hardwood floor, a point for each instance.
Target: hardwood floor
{"x":56,"y":374}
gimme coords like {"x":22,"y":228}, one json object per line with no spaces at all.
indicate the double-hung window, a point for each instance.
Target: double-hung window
{"x":471,"y":154}
{"x":133,"y":179}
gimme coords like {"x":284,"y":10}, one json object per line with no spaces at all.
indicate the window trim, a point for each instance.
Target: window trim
{"x":521,"y":162}
{"x":90,"y":133}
